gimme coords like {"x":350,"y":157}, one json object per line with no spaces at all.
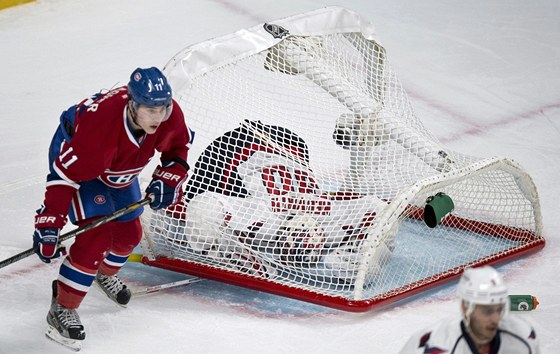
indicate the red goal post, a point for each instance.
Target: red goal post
{"x":311,"y":173}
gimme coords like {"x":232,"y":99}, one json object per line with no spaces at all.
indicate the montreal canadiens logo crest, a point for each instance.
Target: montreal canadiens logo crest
{"x":99,"y":199}
{"x":120,"y":179}
{"x":275,"y":30}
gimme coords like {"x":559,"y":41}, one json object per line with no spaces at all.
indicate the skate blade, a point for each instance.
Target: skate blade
{"x":72,"y":344}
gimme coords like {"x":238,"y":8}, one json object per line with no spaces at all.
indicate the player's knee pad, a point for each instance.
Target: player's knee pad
{"x":126,"y":236}
{"x":90,"y":247}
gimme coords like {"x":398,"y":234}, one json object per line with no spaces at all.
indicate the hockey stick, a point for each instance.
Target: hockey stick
{"x":137,"y":258}
{"x":156,"y":288}
{"x":82,"y":229}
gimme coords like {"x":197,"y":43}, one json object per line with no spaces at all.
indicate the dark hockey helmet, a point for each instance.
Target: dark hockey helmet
{"x":149,"y":87}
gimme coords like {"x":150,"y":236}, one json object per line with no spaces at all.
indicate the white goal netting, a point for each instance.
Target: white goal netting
{"x":310,"y":173}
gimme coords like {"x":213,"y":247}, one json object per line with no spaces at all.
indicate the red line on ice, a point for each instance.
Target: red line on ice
{"x":477,"y":128}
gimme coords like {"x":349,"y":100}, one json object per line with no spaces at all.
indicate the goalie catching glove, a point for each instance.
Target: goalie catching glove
{"x":45,"y":237}
{"x":166,"y":184}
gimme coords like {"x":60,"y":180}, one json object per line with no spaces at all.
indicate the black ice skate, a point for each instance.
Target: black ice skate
{"x":114,"y":288}
{"x":64,"y":325}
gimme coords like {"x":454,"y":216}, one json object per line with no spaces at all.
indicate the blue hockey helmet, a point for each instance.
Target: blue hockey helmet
{"x":149,"y":87}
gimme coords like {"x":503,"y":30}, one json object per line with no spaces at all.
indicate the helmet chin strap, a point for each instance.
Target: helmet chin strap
{"x":131,"y":113}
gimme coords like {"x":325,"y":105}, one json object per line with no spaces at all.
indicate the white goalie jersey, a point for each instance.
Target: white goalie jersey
{"x":277,"y":214}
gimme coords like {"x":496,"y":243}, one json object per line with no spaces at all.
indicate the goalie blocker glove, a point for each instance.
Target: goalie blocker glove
{"x":45,"y":237}
{"x":166,"y":183}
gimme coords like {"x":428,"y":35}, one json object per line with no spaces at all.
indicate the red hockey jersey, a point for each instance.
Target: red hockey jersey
{"x":103,"y":146}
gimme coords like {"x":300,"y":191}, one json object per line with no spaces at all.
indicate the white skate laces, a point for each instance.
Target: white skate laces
{"x":114,"y":288}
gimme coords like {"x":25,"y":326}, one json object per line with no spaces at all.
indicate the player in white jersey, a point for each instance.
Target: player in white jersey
{"x":485,"y":325}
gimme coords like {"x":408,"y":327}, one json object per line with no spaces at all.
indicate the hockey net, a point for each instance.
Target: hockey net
{"x":310,"y":173}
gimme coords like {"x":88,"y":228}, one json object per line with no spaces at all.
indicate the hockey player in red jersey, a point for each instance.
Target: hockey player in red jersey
{"x":95,"y":156}
{"x":484,"y":327}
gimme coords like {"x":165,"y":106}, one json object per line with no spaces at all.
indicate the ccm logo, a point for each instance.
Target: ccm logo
{"x":45,"y":220}
{"x":167,"y":175}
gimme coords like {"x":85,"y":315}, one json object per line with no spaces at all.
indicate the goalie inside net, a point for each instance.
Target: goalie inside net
{"x":254,"y":202}
{"x":311,"y":172}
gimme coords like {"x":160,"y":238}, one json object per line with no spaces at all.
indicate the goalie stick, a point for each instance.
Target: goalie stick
{"x":82,"y":229}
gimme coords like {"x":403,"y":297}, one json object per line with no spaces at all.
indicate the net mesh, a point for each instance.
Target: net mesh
{"x":311,"y":171}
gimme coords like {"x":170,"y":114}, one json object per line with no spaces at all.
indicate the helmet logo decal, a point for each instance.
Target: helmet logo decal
{"x":137,"y":76}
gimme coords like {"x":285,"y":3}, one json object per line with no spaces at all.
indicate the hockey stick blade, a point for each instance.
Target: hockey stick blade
{"x":156,"y":288}
{"x":82,"y":229}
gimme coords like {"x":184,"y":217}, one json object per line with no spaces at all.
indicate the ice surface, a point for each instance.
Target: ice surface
{"x":483,"y":76}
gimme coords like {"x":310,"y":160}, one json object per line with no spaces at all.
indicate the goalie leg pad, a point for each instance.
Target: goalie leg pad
{"x":244,"y":259}
{"x":302,"y":241}
{"x":343,"y":262}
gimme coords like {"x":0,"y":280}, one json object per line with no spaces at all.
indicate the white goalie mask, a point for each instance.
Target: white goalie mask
{"x":301,"y":241}
{"x":349,"y":130}
{"x":346,"y":131}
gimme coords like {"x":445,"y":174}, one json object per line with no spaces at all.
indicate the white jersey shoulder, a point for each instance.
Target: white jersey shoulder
{"x":517,"y":336}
